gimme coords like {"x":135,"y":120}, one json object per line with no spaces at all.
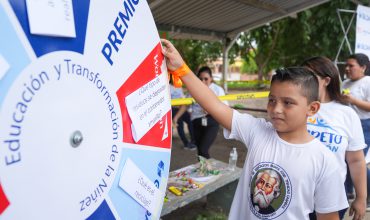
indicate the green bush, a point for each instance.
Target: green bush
{"x":238,"y":105}
{"x":211,"y":216}
{"x":254,"y":84}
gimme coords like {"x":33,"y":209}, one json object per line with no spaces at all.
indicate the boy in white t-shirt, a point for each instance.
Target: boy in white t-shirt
{"x":286,"y":174}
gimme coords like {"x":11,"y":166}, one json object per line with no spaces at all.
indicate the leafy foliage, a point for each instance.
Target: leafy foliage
{"x":289,"y":41}
{"x":249,"y":65}
{"x":197,"y":52}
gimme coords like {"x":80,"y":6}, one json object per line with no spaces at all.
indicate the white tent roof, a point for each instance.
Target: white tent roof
{"x":220,"y":19}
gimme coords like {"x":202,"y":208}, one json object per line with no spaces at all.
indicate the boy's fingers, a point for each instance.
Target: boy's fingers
{"x":166,"y":43}
{"x":164,"y":51}
{"x":167,"y":48}
{"x":163,"y":41}
{"x":350,"y":211}
{"x":357,"y":217}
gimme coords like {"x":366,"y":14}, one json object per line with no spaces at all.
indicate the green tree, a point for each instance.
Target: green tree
{"x":197,"y":52}
{"x":249,"y":65}
{"x":262,"y":42}
{"x":289,"y":41}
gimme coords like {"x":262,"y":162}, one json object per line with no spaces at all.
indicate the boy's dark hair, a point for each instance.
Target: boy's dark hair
{"x":302,"y":77}
{"x":324,"y":67}
{"x":362,"y":60}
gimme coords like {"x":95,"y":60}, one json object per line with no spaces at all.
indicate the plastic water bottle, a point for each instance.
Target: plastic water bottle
{"x":233,"y":158}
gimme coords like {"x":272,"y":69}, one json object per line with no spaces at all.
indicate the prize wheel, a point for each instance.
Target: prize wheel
{"x":85,"y":115}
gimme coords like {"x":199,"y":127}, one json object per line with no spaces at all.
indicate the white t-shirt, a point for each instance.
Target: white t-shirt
{"x":338,"y":127}
{"x":359,"y":89}
{"x":308,"y":181}
{"x":197,"y":110}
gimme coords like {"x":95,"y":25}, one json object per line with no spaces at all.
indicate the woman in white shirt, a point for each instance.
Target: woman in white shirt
{"x":338,"y":127}
{"x":358,"y":84}
{"x":357,"y":96}
{"x":204,"y":125}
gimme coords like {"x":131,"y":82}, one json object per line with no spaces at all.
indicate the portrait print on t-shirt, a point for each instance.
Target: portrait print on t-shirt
{"x":270,"y":190}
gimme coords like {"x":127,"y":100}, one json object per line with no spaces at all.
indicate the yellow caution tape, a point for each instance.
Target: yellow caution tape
{"x":230,"y":97}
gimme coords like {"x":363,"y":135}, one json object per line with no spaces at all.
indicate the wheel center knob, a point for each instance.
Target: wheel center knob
{"x":76,"y":139}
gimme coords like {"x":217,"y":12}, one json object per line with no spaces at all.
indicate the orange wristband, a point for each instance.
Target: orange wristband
{"x":176,"y":74}
{"x":176,"y":81}
{"x":181,"y":71}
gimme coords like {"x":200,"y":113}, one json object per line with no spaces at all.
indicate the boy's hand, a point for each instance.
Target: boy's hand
{"x":174,"y":59}
{"x":175,"y":64}
{"x":358,"y":209}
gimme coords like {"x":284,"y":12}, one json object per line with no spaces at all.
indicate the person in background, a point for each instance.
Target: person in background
{"x":205,"y":126}
{"x":179,"y":121}
{"x":357,"y":95}
{"x":302,"y":179}
{"x":338,"y":127}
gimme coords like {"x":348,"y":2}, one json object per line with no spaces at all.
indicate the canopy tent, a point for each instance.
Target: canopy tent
{"x":221,"y":19}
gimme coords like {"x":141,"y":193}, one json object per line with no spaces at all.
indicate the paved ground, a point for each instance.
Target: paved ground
{"x":220,"y":150}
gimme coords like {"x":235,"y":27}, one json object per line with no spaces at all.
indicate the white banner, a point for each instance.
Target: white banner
{"x":363,"y":30}
{"x":140,"y":187}
{"x":66,"y":68}
{"x":147,"y":105}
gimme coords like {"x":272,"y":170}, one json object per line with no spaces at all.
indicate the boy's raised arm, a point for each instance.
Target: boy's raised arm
{"x":200,"y":92}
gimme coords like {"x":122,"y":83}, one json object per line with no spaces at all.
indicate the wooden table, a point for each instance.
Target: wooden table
{"x":225,"y":177}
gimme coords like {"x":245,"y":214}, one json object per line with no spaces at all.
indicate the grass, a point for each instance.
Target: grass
{"x":211,"y":215}
{"x":254,"y":84}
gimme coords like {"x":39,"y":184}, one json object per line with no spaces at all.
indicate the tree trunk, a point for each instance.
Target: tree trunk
{"x":260,"y":73}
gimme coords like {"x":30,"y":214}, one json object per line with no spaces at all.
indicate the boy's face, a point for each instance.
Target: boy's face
{"x":288,"y":108}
